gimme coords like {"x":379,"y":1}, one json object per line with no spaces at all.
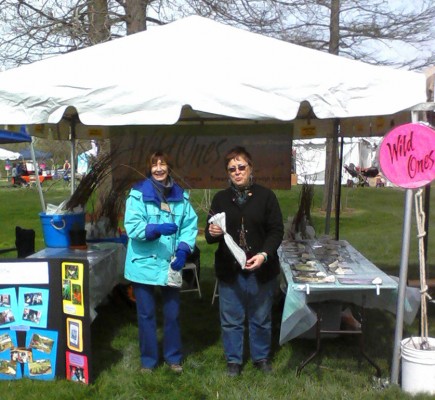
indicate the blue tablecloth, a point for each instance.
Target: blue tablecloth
{"x":298,"y":317}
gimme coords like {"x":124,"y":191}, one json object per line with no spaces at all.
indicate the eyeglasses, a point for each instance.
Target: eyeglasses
{"x":231,"y":170}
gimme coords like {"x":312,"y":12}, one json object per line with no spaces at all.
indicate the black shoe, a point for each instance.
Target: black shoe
{"x":233,"y":369}
{"x":263,"y":365}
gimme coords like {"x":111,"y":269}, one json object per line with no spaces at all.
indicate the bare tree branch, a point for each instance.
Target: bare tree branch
{"x":367,"y":29}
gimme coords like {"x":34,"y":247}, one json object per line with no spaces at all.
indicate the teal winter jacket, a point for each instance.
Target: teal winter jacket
{"x":147,"y":261}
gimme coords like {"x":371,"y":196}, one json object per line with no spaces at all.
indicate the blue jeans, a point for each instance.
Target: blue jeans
{"x":246,"y":298}
{"x":146,"y":316}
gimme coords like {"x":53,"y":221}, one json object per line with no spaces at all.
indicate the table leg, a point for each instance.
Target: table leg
{"x":318,"y":343}
{"x":361,"y":344}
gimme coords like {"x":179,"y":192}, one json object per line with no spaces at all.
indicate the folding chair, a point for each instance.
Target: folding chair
{"x":215,"y":291}
{"x":190,"y":266}
{"x":191,"y":272}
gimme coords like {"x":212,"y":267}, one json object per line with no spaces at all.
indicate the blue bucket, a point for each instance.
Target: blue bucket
{"x":56,"y":228}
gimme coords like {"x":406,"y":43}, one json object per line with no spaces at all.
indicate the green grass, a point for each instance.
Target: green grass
{"x":371,"y":221}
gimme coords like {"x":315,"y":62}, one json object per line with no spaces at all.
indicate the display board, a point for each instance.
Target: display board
{"x":44,"y":320}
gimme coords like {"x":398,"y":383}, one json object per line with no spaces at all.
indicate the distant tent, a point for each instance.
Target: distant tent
{"x":14,"y":137}
{"x":23,"y":137}
{"x":40,"y":155}
{"x":8,"y":155}
{"x":310,"y":157}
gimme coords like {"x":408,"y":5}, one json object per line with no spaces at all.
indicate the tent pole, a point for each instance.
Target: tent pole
{"x":38,"y":183}
{"x":338,"y":202}
{"x":333,"y":165}
{"x":430,"y":117}
{"x":73,"y":154}
{"x":426,"y":224}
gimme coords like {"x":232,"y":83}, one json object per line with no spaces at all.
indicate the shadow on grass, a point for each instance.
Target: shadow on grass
{"x":112,"y":318}
{"x":117,"y":320}
{"x":199,"y":319}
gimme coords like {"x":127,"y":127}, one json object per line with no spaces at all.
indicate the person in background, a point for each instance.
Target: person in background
{"x":17,"y":174}
{"x":254,"y":221}
{"x":66,"y":174}
{"x":14,"y":174}
{"x":162,"y":227}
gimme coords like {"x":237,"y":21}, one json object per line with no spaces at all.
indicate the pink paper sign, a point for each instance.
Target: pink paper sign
{"x":407,"y":155}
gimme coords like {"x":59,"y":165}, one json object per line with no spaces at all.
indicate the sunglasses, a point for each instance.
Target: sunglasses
{"x":231,"y":170}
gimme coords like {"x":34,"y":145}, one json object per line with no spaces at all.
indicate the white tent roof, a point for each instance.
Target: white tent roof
{"x":147,"y":78}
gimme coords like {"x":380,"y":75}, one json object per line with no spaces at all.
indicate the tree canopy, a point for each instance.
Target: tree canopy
{"x":392,"y":32}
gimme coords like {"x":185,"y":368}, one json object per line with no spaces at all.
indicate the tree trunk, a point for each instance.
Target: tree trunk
{"x":136,"y":11}
{"x":330,"y":187}
{"x":99,"y":27}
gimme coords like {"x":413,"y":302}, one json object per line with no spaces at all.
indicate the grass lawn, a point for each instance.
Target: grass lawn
{"x":371,"y":220}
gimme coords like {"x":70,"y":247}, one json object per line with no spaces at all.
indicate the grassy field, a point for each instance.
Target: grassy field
{"x":371,"y":220}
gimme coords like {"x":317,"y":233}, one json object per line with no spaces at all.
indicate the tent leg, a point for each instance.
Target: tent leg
{"x":331,"y":177}
{"x":73,"y":155}
{"x":338,"y":201}
{"x":38,"y":183}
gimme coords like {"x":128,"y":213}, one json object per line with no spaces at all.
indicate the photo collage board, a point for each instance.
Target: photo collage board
{"x":44,"y":319}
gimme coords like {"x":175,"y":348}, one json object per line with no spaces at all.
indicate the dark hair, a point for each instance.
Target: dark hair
{"x":237,"y":152}
{"x":156,"y":156}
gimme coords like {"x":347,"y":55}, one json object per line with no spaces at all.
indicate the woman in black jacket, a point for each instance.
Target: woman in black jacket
{"x":254,"y":221}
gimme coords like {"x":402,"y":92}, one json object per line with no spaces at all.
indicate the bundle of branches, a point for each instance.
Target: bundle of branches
{"x":302,"y":218}
{"x":111,"y":202}
{"x":111,"y":199}
{"x":99,"y":170}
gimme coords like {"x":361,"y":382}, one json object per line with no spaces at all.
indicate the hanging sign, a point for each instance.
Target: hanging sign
{"x":407,"y":155}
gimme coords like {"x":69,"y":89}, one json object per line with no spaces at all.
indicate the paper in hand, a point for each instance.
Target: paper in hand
{"x":220,"y":220}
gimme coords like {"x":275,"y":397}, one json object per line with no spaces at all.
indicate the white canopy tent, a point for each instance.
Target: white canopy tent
{"x":198,"y":69}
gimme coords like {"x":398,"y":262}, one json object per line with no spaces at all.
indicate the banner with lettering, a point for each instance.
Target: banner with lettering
{"x":407,"y":155}
{"x":197,"y":153}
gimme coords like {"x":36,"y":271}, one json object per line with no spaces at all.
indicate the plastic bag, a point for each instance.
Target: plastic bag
{"x":175,"y":278}
{"x":60,"y":209}
{"x":220,"y":220}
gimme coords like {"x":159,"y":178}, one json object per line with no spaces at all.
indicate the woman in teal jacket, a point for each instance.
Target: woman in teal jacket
{"x":162,"y":228}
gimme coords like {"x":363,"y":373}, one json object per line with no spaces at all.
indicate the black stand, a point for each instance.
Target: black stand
{"x":320,"y":332}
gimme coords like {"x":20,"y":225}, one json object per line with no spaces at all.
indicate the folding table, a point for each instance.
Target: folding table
{"x":354,"y":287}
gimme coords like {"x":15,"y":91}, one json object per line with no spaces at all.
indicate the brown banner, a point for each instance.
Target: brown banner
{"x":197,"y":152}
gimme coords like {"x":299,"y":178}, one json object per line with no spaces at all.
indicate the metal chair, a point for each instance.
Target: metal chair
{"x":190,"y":266}
{"x":215,"y":291}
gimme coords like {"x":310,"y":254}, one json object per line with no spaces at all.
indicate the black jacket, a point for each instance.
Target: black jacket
{"x":264,"y":229}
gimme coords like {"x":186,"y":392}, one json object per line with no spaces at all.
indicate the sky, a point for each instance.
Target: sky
{"x":401,"y":51}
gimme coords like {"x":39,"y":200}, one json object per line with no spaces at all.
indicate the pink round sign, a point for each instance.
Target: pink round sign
{"x":407,"y":155}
